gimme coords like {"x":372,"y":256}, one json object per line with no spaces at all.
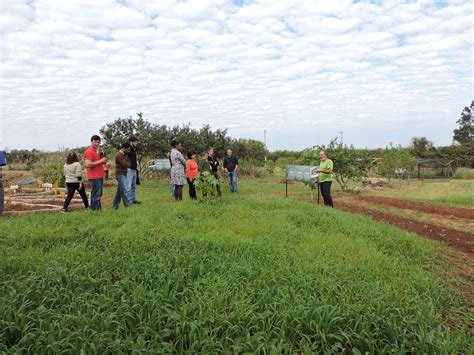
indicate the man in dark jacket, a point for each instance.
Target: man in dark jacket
{"x":132,"y":172}
{"x":214,"y":168}
{"x":122,"y":165}
{"x":231,"y":165}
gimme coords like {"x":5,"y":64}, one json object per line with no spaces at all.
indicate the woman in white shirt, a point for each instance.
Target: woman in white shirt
{"x":73,"y":174}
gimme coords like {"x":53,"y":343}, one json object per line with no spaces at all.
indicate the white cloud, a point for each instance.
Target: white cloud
{"x":296,"y":65}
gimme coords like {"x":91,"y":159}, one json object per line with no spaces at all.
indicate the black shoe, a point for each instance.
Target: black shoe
{"x":136,"y":202}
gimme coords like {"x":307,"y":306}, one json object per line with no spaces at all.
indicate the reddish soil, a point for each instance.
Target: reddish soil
{"x":459,"y":212}
{"x":11,"y":177}
{"x":462,"y":241}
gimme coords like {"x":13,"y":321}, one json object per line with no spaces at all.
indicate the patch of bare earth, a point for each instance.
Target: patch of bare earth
{"x":435,"y":217}
{"x":460,"y":212}
{"x":460,"y":240}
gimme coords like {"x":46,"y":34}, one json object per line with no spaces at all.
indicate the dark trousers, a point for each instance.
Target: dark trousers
{"x":218,"y":187}
{"x":96,"y":193}
{"x":178,"y":192}
{"x":72,"y":187}
{"x":192,"y":189}
{"x":326,"y":192}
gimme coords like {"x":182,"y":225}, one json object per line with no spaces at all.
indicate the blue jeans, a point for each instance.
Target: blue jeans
{"x":121,"y":193}
{"x":131,"y":184}
{"x":232,"y":175}
{"x":96,"y":193}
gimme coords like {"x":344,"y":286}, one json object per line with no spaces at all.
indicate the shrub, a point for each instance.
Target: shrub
{"x":50,"y":168}
{"x":206,"y":185}
{"x":396,"y":159}
{"x":464,"y":174}
{"x":252,"y":167}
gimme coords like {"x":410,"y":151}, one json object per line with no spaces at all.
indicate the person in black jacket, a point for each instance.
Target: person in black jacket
{"x":214,"y":168}
{"x":231,"y":165}
{"x":132,"y":172}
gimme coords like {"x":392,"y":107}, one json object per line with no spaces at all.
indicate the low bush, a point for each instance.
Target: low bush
{"x":252,"y":168}
{"x":206,"y":185}
{"x":51,"y":168}
{"x":464,"y":174}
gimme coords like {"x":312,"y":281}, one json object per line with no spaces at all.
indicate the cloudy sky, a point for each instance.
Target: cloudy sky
{"x":379,"y":71}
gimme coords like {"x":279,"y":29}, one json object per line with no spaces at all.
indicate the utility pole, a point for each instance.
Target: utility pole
{"x":341,"y":132}
{"x":265,"y":144}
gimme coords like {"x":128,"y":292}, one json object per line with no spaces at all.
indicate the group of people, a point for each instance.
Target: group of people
{"x":126,"y":173}
{"x":187,"y":171}
{"x":97,"y":164}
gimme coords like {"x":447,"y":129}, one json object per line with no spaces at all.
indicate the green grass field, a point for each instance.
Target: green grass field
{"x":451,"y":192}
{"x":245,"y":273}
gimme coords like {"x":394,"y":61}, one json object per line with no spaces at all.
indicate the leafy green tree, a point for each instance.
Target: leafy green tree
{"x":155,"y":139}
{"x":465,"y":133}
{"x":50,"y":168}
{"x":283,"y":154}
{"x":350,"y":164}
{"x":420,"y":146}
{"x":393,"y":159}
{"x":26,"y":158}
{"x":249,"y":148}
{"x":456,"y":152}
{"x":201,"y":139}
{"x":120,"y":130}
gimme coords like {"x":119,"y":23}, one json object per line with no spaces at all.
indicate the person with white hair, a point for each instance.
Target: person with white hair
{"x":325,"y":171}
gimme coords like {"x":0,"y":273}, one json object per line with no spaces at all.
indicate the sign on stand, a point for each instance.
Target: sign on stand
{"x":302,"y":173}
{"x":159,"y":165}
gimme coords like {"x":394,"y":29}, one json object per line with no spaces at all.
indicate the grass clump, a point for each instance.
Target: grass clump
{"x":464,"y":174}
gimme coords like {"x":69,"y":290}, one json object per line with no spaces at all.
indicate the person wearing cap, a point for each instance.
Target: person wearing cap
{"x":95,"y":171}
{"x":132,"y":172}
{"x":122,"y":165}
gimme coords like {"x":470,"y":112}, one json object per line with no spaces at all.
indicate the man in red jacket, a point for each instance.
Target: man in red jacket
{"x":95,"y":161}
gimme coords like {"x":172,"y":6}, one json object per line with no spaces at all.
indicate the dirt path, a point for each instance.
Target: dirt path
{"x":462,"y":241}
{"x":460,"y":212}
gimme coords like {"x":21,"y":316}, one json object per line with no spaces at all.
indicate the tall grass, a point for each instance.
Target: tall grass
{"x":241,"y":274}
{"x":464,"y":174}
{"x":442,"y":191}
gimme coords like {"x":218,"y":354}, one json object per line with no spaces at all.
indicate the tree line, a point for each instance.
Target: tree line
{"x":155,"y":138}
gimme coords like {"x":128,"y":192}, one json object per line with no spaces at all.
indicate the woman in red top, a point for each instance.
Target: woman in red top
{"x":192,"y":171}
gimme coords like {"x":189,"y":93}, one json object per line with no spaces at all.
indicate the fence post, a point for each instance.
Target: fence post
{"x":286,"y":183}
